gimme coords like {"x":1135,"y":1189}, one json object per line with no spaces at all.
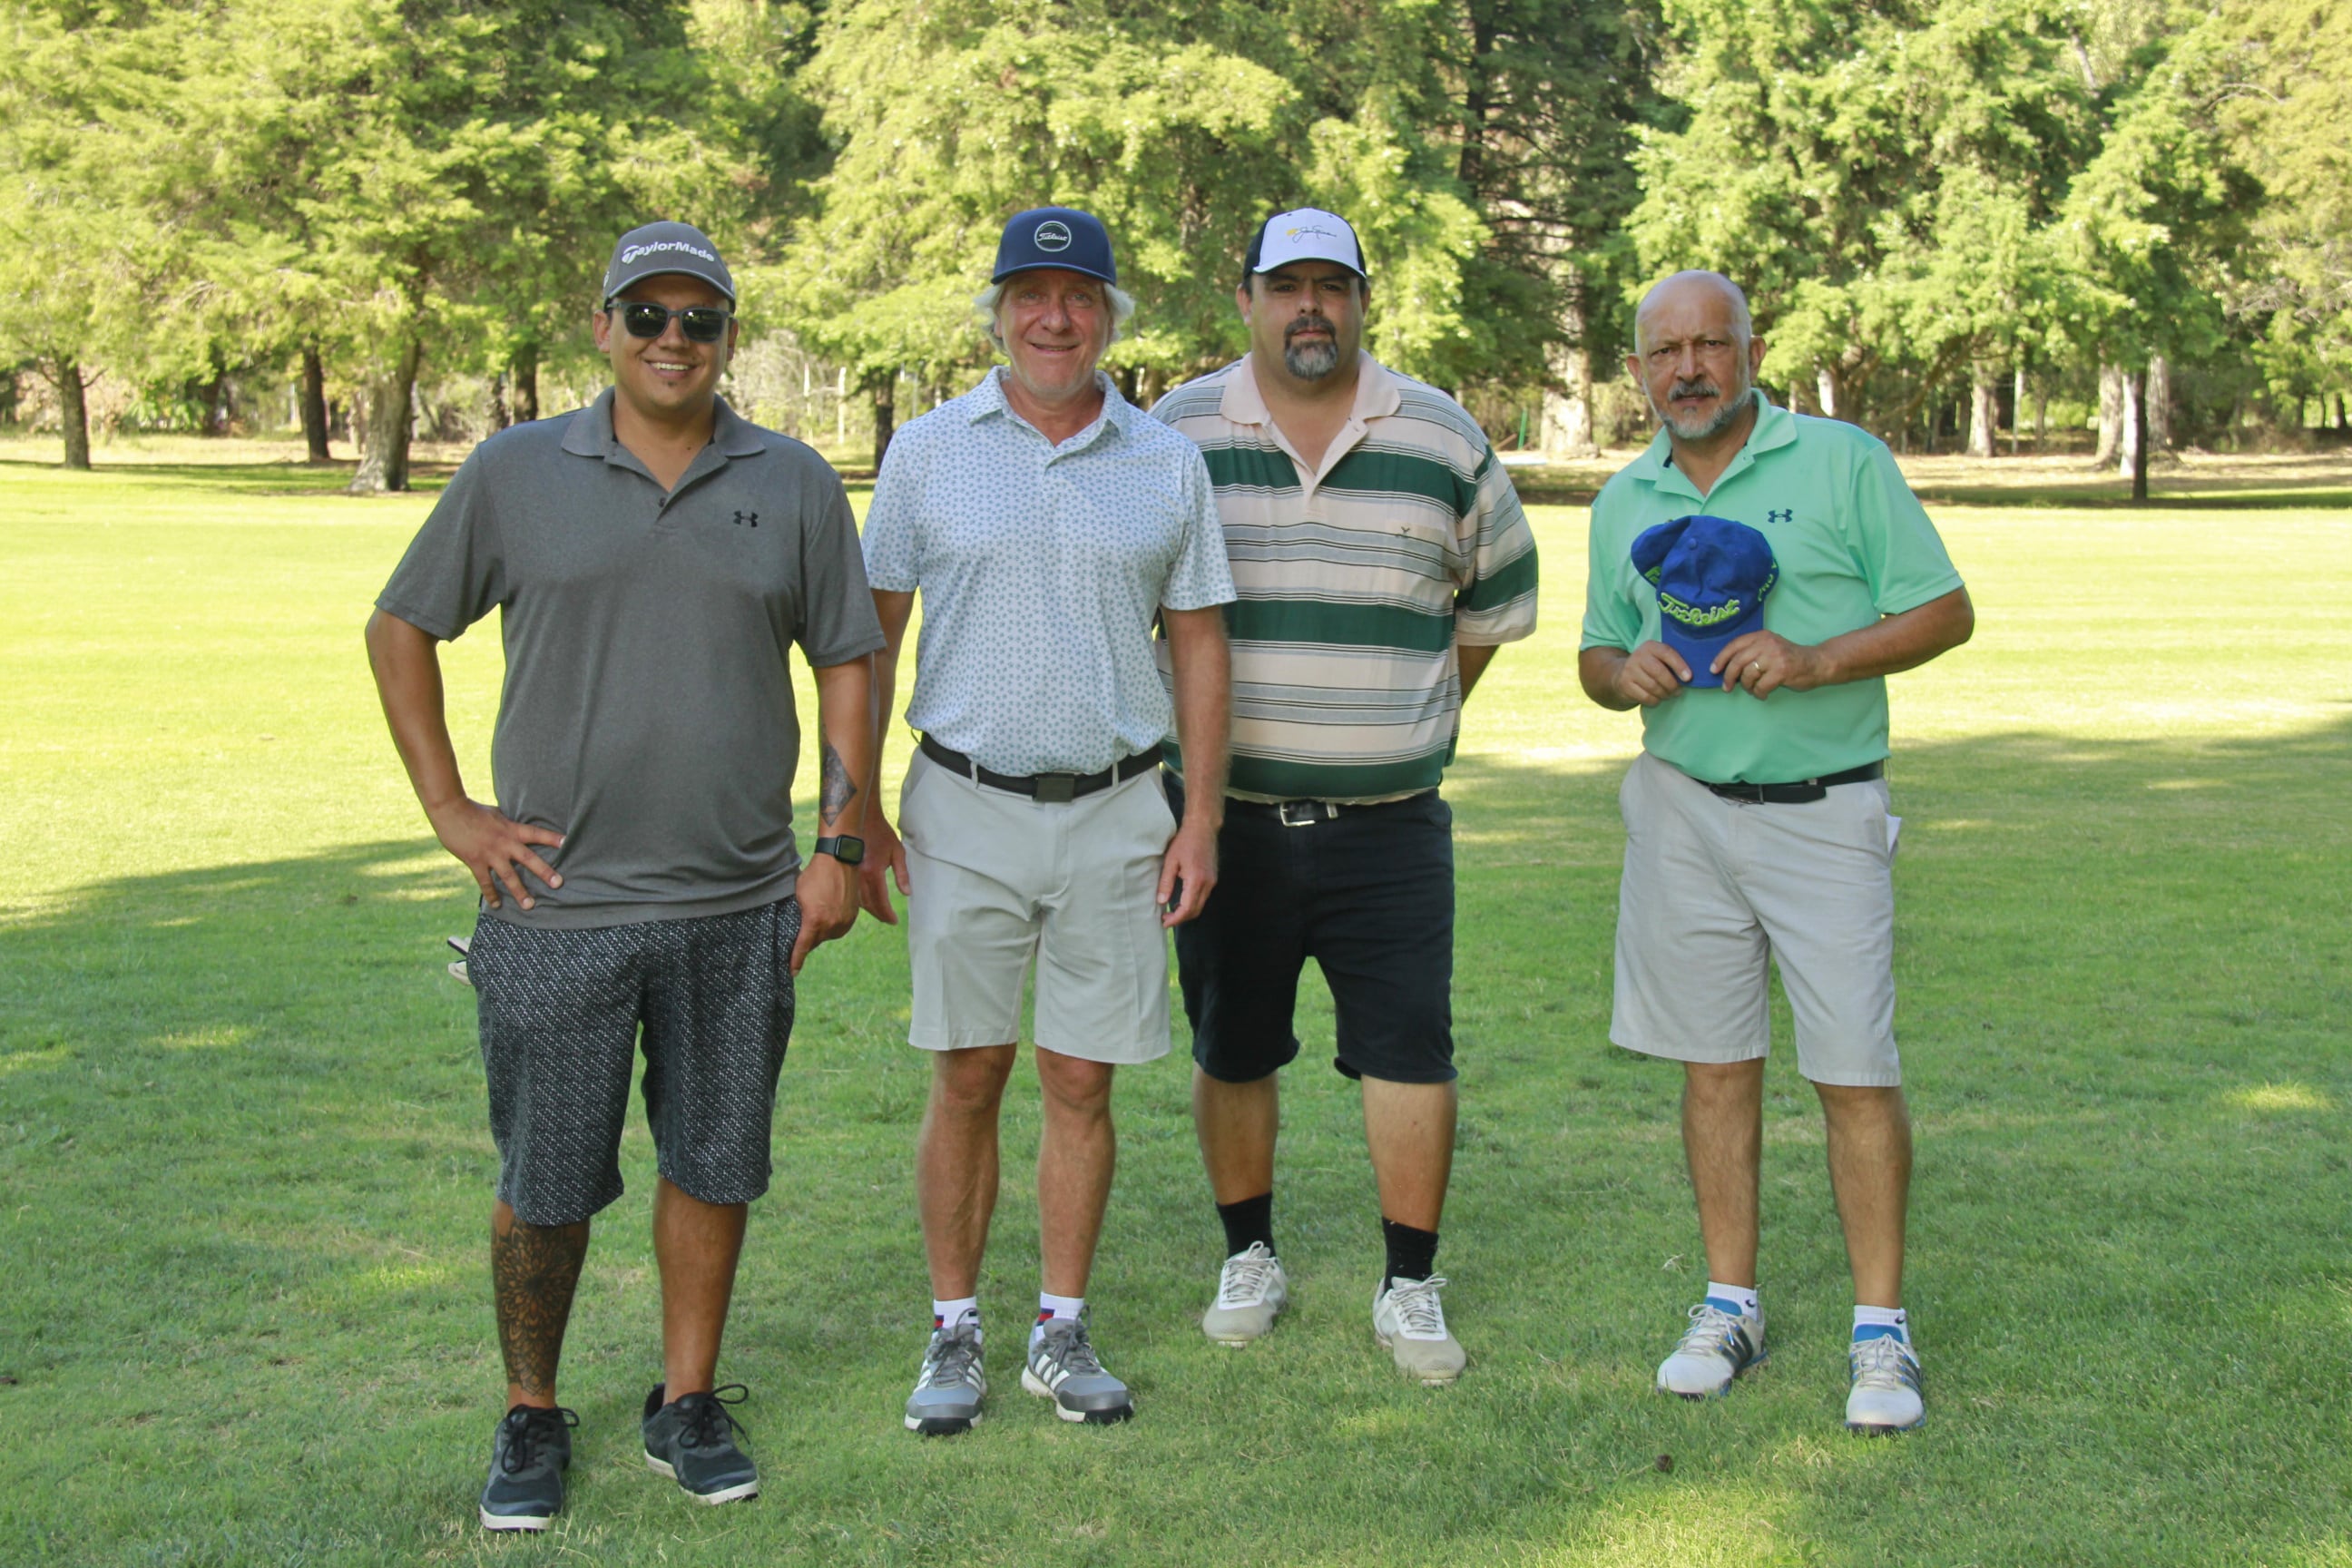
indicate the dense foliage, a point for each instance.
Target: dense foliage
{"x":1930,"y":200}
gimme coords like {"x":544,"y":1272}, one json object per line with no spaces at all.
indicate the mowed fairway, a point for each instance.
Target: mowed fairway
{"x":243,"y":1168}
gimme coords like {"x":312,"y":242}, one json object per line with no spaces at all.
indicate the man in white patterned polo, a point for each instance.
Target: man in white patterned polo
{"x":1048,"y":523}
{"x":1379,"y":557}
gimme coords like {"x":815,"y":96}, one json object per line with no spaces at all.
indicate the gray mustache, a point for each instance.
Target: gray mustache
{"x":1694,"y":389}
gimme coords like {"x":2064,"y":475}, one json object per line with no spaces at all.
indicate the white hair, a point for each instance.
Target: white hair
{"x":985,"y":304}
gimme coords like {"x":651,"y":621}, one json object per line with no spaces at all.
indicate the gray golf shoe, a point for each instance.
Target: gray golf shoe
{"x":1251,"y":1293}
{"x":951,"y":1384}
{"x":1062,"y":1367}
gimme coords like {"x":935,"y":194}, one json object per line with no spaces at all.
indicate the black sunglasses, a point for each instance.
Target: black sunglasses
{"x":701,"y":323}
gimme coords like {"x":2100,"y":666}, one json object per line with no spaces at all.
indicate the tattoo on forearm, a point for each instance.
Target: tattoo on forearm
{"x":837,"y":789}
{"x":533,"y":1270}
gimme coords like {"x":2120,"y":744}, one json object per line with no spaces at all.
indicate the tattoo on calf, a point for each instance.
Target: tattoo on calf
{"x":533,"y":1270}
{"x":837,"y":789}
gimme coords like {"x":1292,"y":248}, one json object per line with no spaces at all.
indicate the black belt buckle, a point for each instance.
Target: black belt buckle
{"x":1303,"y":812}
{"x":1056,"y":789}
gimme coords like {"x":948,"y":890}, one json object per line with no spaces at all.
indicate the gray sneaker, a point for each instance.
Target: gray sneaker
{"x":1409,"y":1324}
{"x":691,"y":1439}
{"x":1251,"y":1293}
{"x":951,"y":1387}
{"x":1062,"y":1367}
{"x":528,"y":1458}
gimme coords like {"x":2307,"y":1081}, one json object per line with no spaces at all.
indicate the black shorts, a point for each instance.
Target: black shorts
{"x":560,"y":1015}
{"x":1369,"y":895}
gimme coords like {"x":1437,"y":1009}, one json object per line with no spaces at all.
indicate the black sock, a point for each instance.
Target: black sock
{"x":1248,"y":1221}
{"x":1413,"y":1254}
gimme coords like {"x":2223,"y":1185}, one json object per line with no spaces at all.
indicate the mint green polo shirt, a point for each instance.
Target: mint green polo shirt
{"x":1853,"y":544}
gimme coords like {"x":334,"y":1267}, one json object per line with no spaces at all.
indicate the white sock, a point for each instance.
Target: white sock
{"x":1744,"y":1295}
{"x":1877,"y":1322}
{"x":1050,"y":1307}
{"x":948,"y":1314}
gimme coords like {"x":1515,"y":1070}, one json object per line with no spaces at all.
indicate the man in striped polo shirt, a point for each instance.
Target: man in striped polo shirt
{"x":1379,"y":557}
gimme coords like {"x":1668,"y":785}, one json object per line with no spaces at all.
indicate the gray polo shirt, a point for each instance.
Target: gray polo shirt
{"x":647,"y":713}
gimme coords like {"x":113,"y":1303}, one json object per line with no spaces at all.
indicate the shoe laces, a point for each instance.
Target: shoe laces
{"x":1711,"y":1332}
{"x":1417,"y":1307}
{"x":1247,"y":1276}
{"x":953,"y":1356}
{"x":705,"y":1420}
{"x":1072,"y":1348}
{"x":1884,"y":1362}
{"x":530,"y":1428}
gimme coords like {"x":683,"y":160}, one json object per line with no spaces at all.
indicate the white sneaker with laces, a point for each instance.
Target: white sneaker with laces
{"x":1718,"y":1347}
{"x":1251,"y":1293}
{"x":1886,"y":1397}
{"x":1409,"y":1324}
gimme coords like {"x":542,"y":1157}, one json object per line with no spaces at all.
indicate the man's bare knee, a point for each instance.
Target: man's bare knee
{"x":970,"y":1084}
{"x":1073,"y":1083}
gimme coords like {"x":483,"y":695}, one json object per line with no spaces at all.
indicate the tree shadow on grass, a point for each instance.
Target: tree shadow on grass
{"x":272,"y":478}
{"x":243,"y":1099}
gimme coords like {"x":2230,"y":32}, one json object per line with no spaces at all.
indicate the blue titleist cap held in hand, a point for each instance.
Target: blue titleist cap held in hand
{"x":1711,"y":575}
{"x":1055,"y":237}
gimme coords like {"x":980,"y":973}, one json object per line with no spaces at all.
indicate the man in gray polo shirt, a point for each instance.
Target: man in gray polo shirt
{"x":653,"y":556}
{"x":1047,"y":523}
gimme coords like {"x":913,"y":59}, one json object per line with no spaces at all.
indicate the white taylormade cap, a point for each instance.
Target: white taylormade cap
{"x":1304,"y":233}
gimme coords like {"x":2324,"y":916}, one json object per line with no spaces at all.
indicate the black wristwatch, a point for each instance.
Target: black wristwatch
{"x":840,"y":847}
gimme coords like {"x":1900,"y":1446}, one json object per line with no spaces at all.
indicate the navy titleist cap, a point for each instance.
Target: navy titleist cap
{"x":1711,"y":575}
{"x":1055,"y":237}
{"x":659,"y":247}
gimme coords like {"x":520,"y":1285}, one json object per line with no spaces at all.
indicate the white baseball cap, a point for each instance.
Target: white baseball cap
{"x":1304,"y":233}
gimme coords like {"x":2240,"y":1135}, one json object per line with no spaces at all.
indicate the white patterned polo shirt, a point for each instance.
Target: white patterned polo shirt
{"x":1041,"y":569}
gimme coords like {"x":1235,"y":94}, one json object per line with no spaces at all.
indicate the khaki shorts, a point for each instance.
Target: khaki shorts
{"x":1715,"y":889}
{"x":996,"y":879}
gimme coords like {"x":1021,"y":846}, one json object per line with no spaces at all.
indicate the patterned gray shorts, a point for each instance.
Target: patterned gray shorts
{"x":560,"y":1013}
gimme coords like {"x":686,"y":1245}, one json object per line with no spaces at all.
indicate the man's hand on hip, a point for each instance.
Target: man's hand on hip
{"x":885,"y":862}
{"x":1762,"y":662}
{"x":1188,"y":872}
{"x":828,"y":895}
{"x":495,"y":848}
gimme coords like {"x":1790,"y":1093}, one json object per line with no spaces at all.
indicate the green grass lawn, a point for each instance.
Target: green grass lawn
{"x":244,"y":1170}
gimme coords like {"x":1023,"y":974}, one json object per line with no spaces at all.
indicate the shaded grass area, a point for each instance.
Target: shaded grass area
{"x":244,"y":1171}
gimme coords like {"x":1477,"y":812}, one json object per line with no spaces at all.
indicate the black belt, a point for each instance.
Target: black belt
{"x":1050,"y":788}
{"x":1304,"y":813}
{"x":1796,"y":794}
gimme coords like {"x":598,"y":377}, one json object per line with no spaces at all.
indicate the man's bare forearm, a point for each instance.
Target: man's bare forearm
{"x":1204,"y":705}
{"x":1900,"y":642}
{"x":407,"y":663}
{"x":846,"y":737}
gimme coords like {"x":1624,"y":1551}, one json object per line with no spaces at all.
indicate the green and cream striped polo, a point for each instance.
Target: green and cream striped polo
{"x":1357,"y":579}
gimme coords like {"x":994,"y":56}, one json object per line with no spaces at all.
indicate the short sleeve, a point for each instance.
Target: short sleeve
{"x":838,"y":619}
{"x":893,"y":554}
{"x":1612,"y":619}
{"x":1499,"y":604}
{"x":1201,"y":575}
{"x":1902,"y":556}
{"x":453,"y":572}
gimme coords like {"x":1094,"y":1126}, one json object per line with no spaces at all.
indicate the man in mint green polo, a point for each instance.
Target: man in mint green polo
{"x":1755,"y":818}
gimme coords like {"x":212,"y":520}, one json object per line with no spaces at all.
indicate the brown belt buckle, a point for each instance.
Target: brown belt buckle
{"x":1056,"y":789}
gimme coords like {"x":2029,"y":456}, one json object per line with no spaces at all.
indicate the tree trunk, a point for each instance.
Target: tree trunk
{"x":2157,"y":409}
{"x":1984,"y":412}
{"x":1825,"y":385}
{"x":885,"y":413}
{"x":2017,"y":409}
{"x":73,"y":412}
{"x":526,"y":386}
{"x":1565,"y":423}
{"x":2137,"y":436}
{"x":383,"y":462}
{"x":2111,"y":414}
{"x":314,"y":406}
{"x":2040,"y":414}
{"x":499,"y":419}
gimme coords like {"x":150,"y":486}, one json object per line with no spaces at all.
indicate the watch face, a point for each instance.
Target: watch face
{"x":847,"y":850}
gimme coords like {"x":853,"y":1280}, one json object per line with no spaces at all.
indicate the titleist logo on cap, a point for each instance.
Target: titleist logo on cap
{"x":630,"y":252}
{"x":1053,"y":234}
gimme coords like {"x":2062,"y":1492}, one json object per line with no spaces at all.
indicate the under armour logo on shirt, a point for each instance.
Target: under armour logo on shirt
{"x":747,"y":520}
{"x":1781,"y":514}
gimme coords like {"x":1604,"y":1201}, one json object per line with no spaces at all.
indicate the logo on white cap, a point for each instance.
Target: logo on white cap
{"x":1053,"y":234}
{"x":1309,"y":233}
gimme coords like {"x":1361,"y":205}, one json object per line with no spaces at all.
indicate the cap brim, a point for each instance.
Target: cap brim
{"x":1053,"y":267}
